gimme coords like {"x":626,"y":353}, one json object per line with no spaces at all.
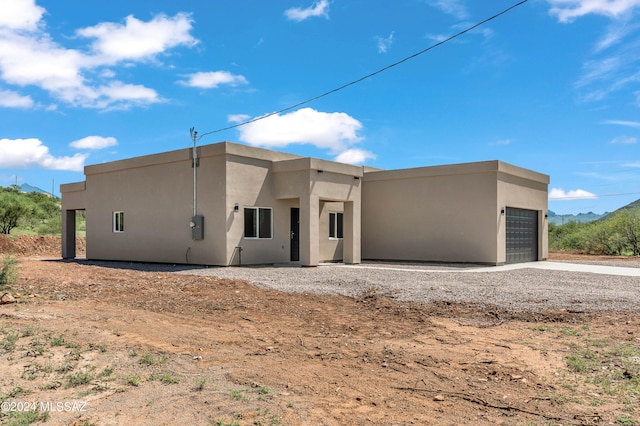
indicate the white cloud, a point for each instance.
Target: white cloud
{"x":94,"y":142}
{"x":12,"y":99}
{"x":79,"y":77}
{"x":320,"y":8}
{"x":213,"y":79}
{"x":569,"y":10}
{"x":138,"y":40}
{"x":634,"y":165}
{"x":624,"y":140}
{"x":334,"y":131}
{"x":454,"y":8}
{"x":20,"y":15}
{"x":502,"y":142}
{"x":27,"y":153}
{"x":238,"y":118}
{"x":576,"y":194}
{"x":634,"y":124}
{"x":354,"y":156}
{"x":384,"y":43}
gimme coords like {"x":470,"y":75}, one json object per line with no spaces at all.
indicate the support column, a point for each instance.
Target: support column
{"x":351,"y":242}
{"x":68,"y":234}
{"x":309,"y":230}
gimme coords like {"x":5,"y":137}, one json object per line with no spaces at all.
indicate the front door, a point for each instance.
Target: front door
{"x":295,"y":234}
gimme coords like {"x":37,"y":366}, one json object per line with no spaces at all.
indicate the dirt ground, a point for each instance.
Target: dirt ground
{"x":87,"y":344}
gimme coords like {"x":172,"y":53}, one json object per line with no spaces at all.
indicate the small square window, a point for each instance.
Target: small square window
{"x":258,"y":222}
{"x":118,"y":221}
{"x":336,"y":228}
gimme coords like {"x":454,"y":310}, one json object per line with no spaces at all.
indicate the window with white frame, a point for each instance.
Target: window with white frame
{"x":118,"y":221}
{"x":336,"y":225}
{"x":258,"y":222}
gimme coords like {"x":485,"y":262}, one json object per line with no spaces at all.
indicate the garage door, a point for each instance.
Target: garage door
{"x":522,"y":235}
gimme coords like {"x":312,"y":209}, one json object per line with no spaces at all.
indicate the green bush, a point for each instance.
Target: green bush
{"x":617,"y":234}
{"x":8,"y":273}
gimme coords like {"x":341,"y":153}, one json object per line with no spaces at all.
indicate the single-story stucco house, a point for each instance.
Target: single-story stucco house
{"x":235,"y":204}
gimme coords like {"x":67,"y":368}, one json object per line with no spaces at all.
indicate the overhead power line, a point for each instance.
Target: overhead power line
{"x":381,"y":70}
{"x":587,"y":197}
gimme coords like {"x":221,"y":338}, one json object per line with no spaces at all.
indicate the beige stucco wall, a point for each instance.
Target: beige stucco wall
{"x":156,"y":195}
{"x":313,"y":182}
{"x":523,"y":189}
{"x":331,"y":249}
{"x":444,"y":213}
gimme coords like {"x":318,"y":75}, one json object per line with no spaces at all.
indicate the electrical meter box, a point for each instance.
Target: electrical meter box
{"x":197,"y":227}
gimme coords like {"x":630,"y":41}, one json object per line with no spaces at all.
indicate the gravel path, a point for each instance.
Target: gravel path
{"x":525,"y":289}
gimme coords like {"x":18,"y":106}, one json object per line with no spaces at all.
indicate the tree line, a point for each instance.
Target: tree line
{"x":31,"y":212}
{"x":618,"y":234}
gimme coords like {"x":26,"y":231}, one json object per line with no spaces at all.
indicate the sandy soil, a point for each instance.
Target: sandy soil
{"x":106,"y":346}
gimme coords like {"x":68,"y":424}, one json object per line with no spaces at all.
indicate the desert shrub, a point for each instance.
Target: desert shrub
{"x":8,"y":273}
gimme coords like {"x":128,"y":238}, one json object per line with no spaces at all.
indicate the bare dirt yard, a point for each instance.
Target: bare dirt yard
{"x":89,"y":344}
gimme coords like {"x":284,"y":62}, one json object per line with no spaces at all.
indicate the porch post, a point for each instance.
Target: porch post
{"x":351,"y":233}
{"x":68,"y":234}
{"x":309,"y":230}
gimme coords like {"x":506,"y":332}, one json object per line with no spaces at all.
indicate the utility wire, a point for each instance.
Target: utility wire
{"x":440,"y":43}
{"x":586,"y":197}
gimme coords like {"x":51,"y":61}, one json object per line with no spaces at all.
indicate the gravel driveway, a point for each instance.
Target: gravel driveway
{"x":524,"y":289}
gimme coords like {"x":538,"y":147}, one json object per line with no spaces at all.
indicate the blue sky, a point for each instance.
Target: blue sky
{"x":552,"y":85}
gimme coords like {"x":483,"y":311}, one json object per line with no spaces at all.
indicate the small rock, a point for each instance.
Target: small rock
{"x":197,"y":358}
{"x":6,"y":299}
{"x":438,"y":398}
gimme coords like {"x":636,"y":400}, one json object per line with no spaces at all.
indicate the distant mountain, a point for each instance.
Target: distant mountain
{"x":630,"y":206}
{"x":560,"y":219}
{"x":25,"y":187}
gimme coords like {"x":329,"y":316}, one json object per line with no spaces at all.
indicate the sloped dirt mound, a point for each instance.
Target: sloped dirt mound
{"x":36,"y":245}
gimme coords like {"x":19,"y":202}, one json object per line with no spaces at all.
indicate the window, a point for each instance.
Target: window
{"x":258,"y":222}
{"x":118,"y":221}
{"x":335,"y":225}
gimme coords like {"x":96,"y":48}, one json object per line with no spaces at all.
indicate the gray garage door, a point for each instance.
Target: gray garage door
{"x":522,"y":235}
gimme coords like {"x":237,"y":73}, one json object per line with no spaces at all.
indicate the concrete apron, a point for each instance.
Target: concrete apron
{"x":554,"y":266}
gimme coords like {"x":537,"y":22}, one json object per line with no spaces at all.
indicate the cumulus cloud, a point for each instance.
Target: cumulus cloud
{"x":333,"y":131}
{"x":30,"y":57}
{"x":213,"y":79}
{"x":94,"y":142}
{"x":12,"y":99}
{"x":574,"y":194}
{"x":569,"y":10}
{"x":384,"y":43}
{"x":318,"y":9}
{"x":138,"y":40}
{"x":336,"y":132}
{"x":27,"y":153}
{"x":20,"y":15}
{"x":354,"y":156}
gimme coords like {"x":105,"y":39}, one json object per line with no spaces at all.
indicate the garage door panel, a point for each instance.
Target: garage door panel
{"x":522,"y":235}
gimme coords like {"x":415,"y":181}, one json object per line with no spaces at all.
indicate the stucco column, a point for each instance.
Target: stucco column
{"x":309,"y":230}
{"x":68,"y":234}
{"x":351,"y":233}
